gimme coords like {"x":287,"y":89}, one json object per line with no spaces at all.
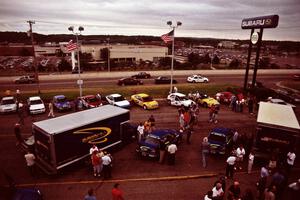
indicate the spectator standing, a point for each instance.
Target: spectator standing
{"x":172,"y":148}
{"x":250,"y":105}
{"x":175,"y":89}
{"x":218,"y":192}
{"x":234,"y":191}
{"x":240,"y":153}
{"x":181,"y":120}
{"x":90,"y":195}
{"x":116,"y":193}
{"x":140,"y":131}
{"x":96,"y":162}
{"x":250,"y":161}
{"x":235,"y":137}
{"x":189,"y":132}
{"x":18,"y":133}
{"x":30,"y":161}
{"x":212,"y":113}
{"x":230,"y":166}
{"x":106,"y":161}
{"x":51,"y":111}
{"x":20,"y":111}
{"x":291,"y":156}
{"x":162,"y":151}
{"x":205,"y":151}
{"x":152,"y":121}
{"x":262,"y":182}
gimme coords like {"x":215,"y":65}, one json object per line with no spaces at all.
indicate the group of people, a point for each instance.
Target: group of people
{"x":116,"y":192}
{"x":101,"y":162}
{"x":145,"y":128}
{"x":237,"y":103}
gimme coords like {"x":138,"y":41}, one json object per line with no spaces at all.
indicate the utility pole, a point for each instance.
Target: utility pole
{"x":34,"y":58}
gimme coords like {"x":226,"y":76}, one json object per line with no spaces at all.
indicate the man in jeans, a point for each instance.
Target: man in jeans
{"x":230,"y":166}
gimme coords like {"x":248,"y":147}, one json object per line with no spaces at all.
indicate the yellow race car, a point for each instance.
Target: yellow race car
{"x":145,"y":101}
{"x":207,"y":101}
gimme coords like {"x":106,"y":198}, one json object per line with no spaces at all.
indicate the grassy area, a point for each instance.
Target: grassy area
{"x":292,"y":84}
{"x":157,"y":91}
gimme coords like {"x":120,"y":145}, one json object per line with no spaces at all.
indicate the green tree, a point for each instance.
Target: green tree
{"x":234,"y":64}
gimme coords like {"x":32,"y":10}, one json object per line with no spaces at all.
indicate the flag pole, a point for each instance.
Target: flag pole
{"x":172,"y":61}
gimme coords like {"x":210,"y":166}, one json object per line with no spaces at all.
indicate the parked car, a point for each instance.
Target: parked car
{"x":197,"y":79}
{"x":129,"y":81}
{"x":61,"y":103}
{"x":207,"y":101}
{"x":141,"y":75}
{"x":179,"y":99}
{"x":224,"y":97}
{"x":149,"y":146}
{"x":25,"y":79}
{"x":145,"y":101}
{"x":8,"y":104}
{"x":164,"y":80}
{"x":117,"y":100}
{"x":36,"y":105}
{"x":288,"y":95}
{"x":90,"y":101}
{"x":220,"y":140}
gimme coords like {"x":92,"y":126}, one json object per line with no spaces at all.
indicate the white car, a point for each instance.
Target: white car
{"x":197,"y":79}
{"x":36,"y":105}
{"x":117,"y":100}
{"x":8,"y":104}
{"x":179,"y":99}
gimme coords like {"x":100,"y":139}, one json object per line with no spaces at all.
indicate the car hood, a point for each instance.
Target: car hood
{"x":8,"y":106}
{"x":37,"y":106}
{"x":123,"y":103}
{"x":152,"y":146}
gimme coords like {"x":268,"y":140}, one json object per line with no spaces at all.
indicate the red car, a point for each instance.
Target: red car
{"x":90,"y":101}
{"x":225,"y":97}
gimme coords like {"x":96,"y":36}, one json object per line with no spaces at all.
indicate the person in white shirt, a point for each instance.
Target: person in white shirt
{"x":250,"y":162}
{"x":240,"y":153}
{"x":291,"y":156}
{"x":172,"y":148}
{"x":30,"y":161}
{"x":93,"y":148}
{"x":140,"y":131}
{"x":218,"y":192}
{"x":208,"y":195}
{"x":230,"y":166}
{"x":106,"y":162}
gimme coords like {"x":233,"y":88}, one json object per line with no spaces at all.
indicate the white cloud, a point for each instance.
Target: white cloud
{"x":206,"y":18}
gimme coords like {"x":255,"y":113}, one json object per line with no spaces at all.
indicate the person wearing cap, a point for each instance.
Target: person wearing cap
{"x":205,"y":151}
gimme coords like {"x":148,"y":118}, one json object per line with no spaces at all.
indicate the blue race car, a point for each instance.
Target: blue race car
{"x":220,"y":140}
{"x":149,"y":146}
{"x":61,"y":103}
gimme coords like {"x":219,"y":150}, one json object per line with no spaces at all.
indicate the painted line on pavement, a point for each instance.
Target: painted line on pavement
{"x":167,"y":178}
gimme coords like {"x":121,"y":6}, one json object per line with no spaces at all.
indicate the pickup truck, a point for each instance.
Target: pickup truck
{"x":25,"y":79}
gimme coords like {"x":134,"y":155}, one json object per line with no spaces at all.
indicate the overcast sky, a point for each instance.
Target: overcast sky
{"x":200,"y":18}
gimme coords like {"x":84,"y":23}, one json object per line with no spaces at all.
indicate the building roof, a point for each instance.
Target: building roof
{"x":277,"y":115}
{"x":75,"y":120}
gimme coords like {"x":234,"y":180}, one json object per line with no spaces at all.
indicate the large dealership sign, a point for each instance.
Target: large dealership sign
{"x":270,"y":21}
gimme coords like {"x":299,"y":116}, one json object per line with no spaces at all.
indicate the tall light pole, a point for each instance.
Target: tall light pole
{"x":108,"y":56}
{"x":79,"y":81}
{"x":173,"y":42}
{"x":36,"y":74}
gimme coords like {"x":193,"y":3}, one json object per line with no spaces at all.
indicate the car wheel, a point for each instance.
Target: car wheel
{"x":194,"y":81}
{"x":205,"y":105}
{"x":205,"y":81}
{"x":123,"y":84}
{"x":168,"y":101}
{"x":145,"y":107}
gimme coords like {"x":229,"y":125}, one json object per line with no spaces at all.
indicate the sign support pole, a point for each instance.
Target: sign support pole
{"x":248,"y":61}
{"x":257,"y":57}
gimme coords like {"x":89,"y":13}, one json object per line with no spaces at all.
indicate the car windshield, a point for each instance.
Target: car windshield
{"x":217,"y":137}
{"x":61,"y":99}
{"x":120,"y":98}
{"x":7,"y":101}
{"x":147,"y":99}
{"x":152,"y":141}
{"x":92,"y":100}
{"x":184,"y":98}
{"x":35,"y":102}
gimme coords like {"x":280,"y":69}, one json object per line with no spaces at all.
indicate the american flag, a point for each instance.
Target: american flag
{"x":168,"y":37}
{"x":71,"y":46}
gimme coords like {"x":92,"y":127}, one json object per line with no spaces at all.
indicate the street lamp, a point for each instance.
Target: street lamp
{"x":169,"y":23}
{"x":79,"y":81}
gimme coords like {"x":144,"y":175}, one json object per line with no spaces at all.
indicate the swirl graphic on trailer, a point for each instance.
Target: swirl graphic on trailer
{"x":96,"y":135}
